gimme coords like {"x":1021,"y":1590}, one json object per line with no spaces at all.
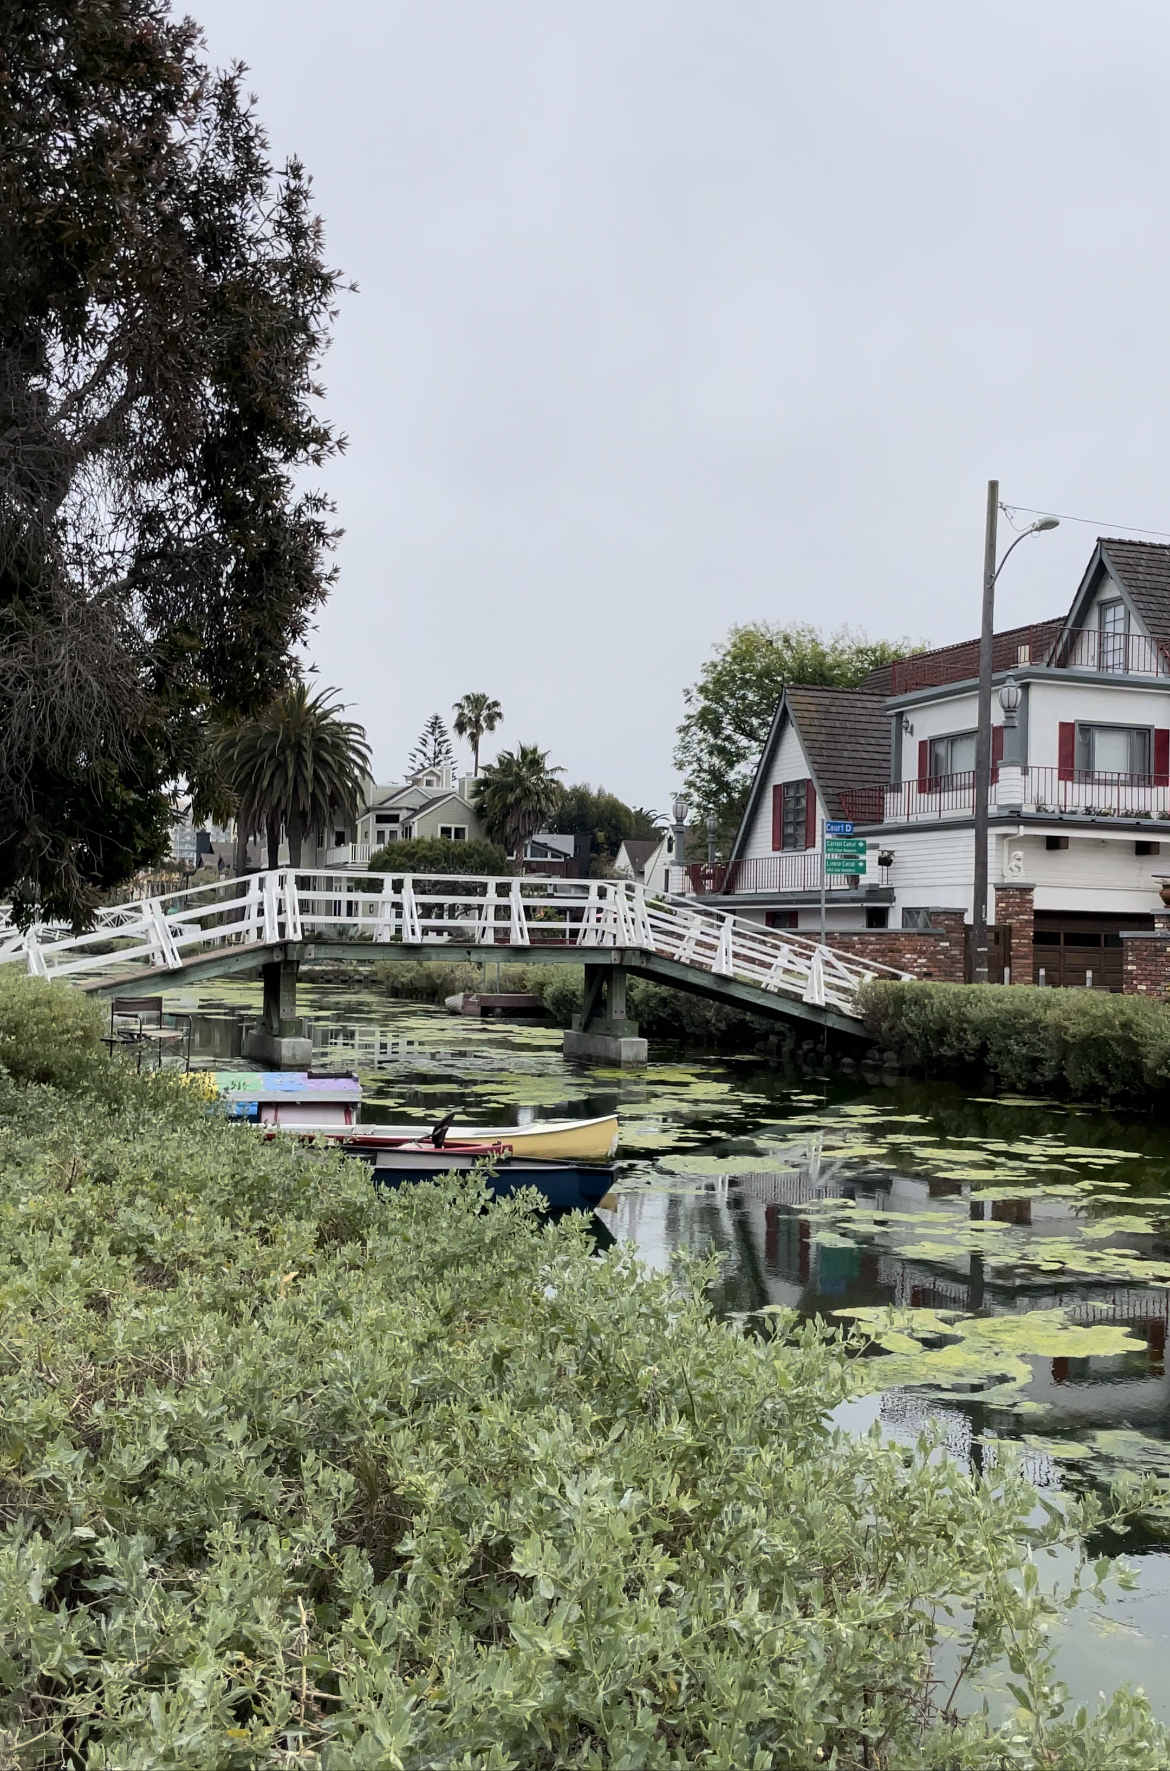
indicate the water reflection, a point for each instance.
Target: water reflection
{"x":829,"y":1197}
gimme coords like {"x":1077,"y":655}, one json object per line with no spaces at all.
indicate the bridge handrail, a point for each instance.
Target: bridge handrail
{"x":480,"y":910}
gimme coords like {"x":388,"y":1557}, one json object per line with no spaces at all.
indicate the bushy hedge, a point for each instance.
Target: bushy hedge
{"x":434,"y":980}
{"x":292,"y":1474}
{"x":439,"y":854}
{"x":48,"y":1032}
{"x":659,"y":1011}
{"x":1089,"y":1044}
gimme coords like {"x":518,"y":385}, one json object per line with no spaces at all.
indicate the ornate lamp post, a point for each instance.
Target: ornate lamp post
{"x":681,"y":812}
{"x":983,"y":729}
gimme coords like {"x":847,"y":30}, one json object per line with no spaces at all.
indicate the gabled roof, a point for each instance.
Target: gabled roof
{"x":1142,"y":568}
{"x":845,"y":736}
{"x":639,"y":849}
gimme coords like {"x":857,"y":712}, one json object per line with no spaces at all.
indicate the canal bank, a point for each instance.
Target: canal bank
{"x":1021,"y":1243}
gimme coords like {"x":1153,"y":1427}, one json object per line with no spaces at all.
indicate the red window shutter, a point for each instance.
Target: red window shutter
{"x":1162,"y":756}
{"x":810,"y":815}
{"x":996,"y":751}
{"x":777,"y":817}
{"x":1066,"y":753}
{"x":923,"y":764}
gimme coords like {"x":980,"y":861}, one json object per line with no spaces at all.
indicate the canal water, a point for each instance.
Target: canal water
{"x":1010,"y":1256}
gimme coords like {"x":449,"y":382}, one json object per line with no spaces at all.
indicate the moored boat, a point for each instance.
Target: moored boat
{"x":329,"y":1106}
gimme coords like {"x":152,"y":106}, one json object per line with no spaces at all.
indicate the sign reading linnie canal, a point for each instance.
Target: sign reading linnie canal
{"x":845,"y":864}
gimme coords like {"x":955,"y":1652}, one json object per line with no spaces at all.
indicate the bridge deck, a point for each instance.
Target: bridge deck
{"x":239,"y":925}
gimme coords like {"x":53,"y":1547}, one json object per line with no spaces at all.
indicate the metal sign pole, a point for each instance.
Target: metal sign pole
{"x":822,"y":880}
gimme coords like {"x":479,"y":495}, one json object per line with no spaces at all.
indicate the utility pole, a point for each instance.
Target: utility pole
{"x":983,"y":741}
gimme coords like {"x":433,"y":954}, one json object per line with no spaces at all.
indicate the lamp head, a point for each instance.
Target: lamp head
{"x":1043,"y":524}
{"x":1010,"y":696}
{"x":680,"y":810}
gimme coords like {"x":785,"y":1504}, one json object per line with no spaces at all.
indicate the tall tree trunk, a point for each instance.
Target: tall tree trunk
{"x":241,"y":847}
{"x":295,"y":831}
{"x":475,"y":754}
{"x":273,"y":841}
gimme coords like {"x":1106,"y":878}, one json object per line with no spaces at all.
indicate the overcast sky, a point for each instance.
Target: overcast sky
{"x":678,"y":314}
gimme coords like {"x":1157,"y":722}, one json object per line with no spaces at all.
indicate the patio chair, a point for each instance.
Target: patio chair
{"x":138,"y":1021}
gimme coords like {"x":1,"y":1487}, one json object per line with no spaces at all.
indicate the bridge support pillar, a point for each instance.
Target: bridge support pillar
{"x":280,"y":1038}
{"x":602,"y":1029}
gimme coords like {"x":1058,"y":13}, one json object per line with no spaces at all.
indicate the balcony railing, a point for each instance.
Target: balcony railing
{"x":1048,"y":645}
{"x":792,"y":870}
{"x":936,"y":796}
{"x":1069,"y":792}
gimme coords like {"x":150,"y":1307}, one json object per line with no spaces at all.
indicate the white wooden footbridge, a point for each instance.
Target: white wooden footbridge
{"x":278,"y":919}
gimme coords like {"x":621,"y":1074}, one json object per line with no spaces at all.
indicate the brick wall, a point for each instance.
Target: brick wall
{"x":1145,"y":961}
{"x":935,"y":953}
{"x":1015,"y":904}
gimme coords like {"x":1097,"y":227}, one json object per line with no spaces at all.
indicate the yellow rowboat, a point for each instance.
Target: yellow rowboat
{"x":581,"y":1140}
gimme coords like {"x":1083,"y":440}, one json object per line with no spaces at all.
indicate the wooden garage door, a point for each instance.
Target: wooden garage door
{"x":1066,"y":948}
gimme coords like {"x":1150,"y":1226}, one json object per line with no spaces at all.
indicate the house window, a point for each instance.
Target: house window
{"x":1113,"y":750}
{"x":782,"y":919}
{"x":792,"y":826}
{"x":453,"y":832}
{"x":1056,"y":842}
{"x":953,"y":755}
{"x":877,"y":916}
{"x":1147,"y":848}
{"x":338,"y":838}
{"x":1112,"y":621}
{"x":915,"y":918}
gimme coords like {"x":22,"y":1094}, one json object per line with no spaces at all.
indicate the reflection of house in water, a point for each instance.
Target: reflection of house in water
{"x":774,"y":1256}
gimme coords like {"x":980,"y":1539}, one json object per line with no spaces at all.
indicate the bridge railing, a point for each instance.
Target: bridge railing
{"x":482,"y":911}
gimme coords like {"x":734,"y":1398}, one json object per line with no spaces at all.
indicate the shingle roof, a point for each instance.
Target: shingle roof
{"x":845,"y":734}
{"x":639,"y":850}
{"x":1143,"y":567}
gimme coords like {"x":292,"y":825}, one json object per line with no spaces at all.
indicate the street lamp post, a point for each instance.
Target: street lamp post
{"x":983,"y":725}
{"x":681,"y":811}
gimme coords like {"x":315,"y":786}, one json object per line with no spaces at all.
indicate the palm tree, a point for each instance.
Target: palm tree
{"x":295,"y":764}
{"x":475,"y":715}
{"x":515,"y":795}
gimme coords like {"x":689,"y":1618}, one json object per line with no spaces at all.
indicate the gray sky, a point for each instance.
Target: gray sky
{"x":674,"y":315}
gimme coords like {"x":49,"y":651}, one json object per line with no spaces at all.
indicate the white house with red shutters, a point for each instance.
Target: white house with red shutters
{"x":1080,"y":796}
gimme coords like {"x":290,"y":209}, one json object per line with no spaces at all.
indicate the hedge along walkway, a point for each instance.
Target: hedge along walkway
{"x":1088,"y":1045}
{"x":292,"y":1474}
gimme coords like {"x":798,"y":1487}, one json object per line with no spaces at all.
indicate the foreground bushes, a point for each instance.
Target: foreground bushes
{"x":1085,"y":1043}
{"x":294,"y":1475}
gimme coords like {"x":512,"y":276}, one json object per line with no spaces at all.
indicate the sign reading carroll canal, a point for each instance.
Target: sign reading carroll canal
{"x":845,"y":845}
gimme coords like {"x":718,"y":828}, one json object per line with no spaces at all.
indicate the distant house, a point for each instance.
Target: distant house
{"x":431,"y":804}
{"x":1079,"y":804}
{"x":635,"y":854}
{"x":557,"y":854}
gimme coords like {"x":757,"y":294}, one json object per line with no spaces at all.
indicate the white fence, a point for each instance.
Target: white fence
{"x":263,"y":909}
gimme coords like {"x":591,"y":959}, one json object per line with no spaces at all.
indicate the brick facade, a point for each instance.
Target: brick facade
{"x":935,"y":953}
{"x":1015,"y":904}
{"x":1145,"y":960}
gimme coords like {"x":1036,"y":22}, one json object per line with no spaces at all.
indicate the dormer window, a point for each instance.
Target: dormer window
{"x":1112,"y":625}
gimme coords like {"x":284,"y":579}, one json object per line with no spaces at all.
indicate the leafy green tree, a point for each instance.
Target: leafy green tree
{"x":438,"y":854}
{"x":433,"y":750}
{"x":164,"y":305}
{"x":606,"y":819}
{"x":516,"y":796}
{"x":475,"y":716}
{"x":730,"y":709}
{"x":298,"y":765}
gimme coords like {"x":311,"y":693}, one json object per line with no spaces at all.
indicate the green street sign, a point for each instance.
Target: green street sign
{"x":845,"y":864}
{"x":845,"y":845}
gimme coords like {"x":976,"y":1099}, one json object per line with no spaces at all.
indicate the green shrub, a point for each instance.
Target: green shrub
{"x":659,"y":1011}
{"x":433,"y":980}
{"x":48,"y":1032}
{"x":292,"y":1474}
{"x":1093,"y":1045}
{"x":438,"y":854}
